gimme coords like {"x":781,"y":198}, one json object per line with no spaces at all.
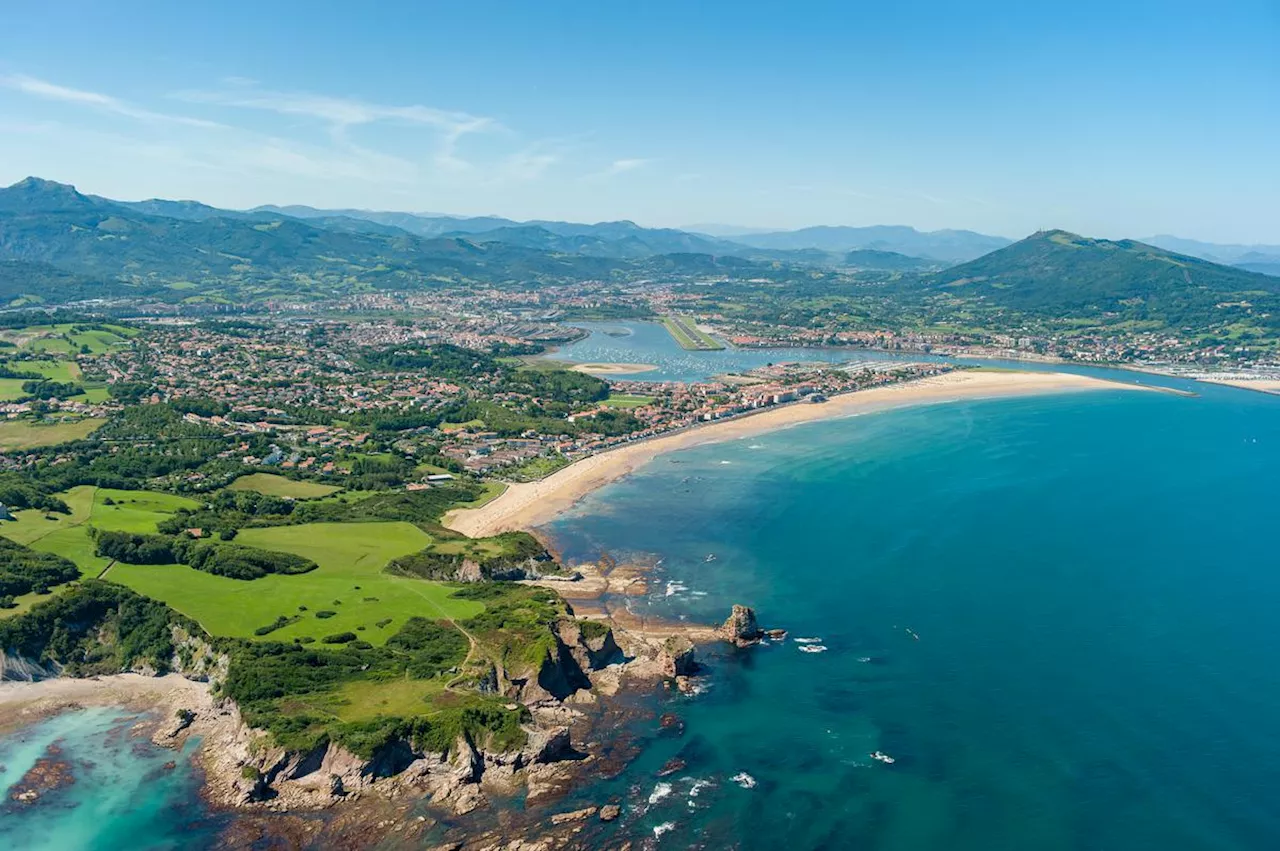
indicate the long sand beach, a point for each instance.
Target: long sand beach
{"x":526,"y":505}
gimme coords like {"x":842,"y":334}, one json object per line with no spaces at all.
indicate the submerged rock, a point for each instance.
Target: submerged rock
{"x":671,"y":724}
{"x":672,"y":766}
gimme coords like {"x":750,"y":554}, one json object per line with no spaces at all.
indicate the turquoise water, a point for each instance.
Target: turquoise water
{"x":1093,"y":580}
{"x":123,"y":795}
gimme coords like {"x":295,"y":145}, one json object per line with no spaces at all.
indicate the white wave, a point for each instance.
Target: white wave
{"x":698,"y":786}
{"x":726,"y":462}
{"x":659,"y":792}
{"x":674,"y":587}
{"x":864,"y":659}
{"x":665,"y":827}
{"x":808,"y":640}
{"x":756,"y":446}
{"x":746,"y":781}
{"x":814,"y":648}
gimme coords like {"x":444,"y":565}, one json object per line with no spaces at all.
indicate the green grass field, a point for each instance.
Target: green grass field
{"x":537,"y":468}
{"x":55,"y":370}
{"x":273,"y":485}
{"x":59,"y":339}
{"x":67,"y":535}
{"x":134,"y":511}
{"x":626,"y":400}
{"x":31,"y":524}
{"x":359,"y":701}
{"x":63,"y":535}
{"x":93,"y":395}
{"x":21,"y":434}
{"x":349,"y":582}
{"x":492,"y":490}
{"x":685,"y":332}
{"x":11,"y":388}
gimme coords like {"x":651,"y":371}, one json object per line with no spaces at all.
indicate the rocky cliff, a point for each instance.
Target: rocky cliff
{"x":246,"y":769}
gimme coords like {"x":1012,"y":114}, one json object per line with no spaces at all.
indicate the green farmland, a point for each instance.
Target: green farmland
{"x":349,"y":582}
{"x":273,"y":485}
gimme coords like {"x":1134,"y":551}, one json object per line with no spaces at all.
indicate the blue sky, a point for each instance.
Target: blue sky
{"x":1125,"y":118}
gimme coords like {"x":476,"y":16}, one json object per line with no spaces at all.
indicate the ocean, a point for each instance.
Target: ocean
{"x":109,"y":788}
{"x":1092,"y":579}
{"x":1056,"y":614}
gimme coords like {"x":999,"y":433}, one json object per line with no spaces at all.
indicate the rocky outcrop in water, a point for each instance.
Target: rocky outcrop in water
{"x":741,"y":628}
{"x":678,"y":657}
{"x":579,"y":649}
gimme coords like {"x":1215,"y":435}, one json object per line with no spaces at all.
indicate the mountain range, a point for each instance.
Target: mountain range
{"x":58,"y":244}
{"x":811,"y":246}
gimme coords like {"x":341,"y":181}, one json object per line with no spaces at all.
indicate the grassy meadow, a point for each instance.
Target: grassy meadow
{"x":21,"y":434}
{"x":273,"y":485}
{"x":349,"y":582}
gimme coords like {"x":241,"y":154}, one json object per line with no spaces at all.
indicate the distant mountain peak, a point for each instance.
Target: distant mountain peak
{"x":35,"y":194}
{"x":1060,"y":270}
{"x":28,"y":184}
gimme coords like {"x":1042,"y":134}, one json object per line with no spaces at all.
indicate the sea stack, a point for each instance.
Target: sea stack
{"x":741,"y":629}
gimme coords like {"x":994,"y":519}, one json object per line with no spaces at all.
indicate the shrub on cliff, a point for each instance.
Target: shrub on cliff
{"x":432,"y":647}
{"x":95,"y":628}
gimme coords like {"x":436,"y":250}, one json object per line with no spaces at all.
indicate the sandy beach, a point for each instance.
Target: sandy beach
{"x":526,"y":505}
{"x":1262,"y":385}
{"x":613,"y":368}
{"x":24,"y":702}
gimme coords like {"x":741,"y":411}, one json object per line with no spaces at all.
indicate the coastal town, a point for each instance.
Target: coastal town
{"x":265,"y":382}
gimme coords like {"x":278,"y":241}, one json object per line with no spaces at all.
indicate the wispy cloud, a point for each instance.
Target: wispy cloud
{"x":618,"y":167}
{"x":623,"y":166}
{"x":95,"y":100}
{"x":341,"y":114}
{"x":315,"y":140}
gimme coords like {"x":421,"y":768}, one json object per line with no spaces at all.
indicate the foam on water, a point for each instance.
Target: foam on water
{"x":1088,"y":577}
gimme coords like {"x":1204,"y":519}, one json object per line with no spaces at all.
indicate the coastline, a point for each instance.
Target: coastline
{"x":525,"y":505}
{"x":23,"y":703}
{"x":1270,"y":386}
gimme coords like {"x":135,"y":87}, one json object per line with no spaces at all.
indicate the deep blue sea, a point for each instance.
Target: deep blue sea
{"x":1093,"y":580}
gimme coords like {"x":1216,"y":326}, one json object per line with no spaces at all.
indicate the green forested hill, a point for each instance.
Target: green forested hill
{"x":239,"y":257}
{"x":1058,"y":270}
